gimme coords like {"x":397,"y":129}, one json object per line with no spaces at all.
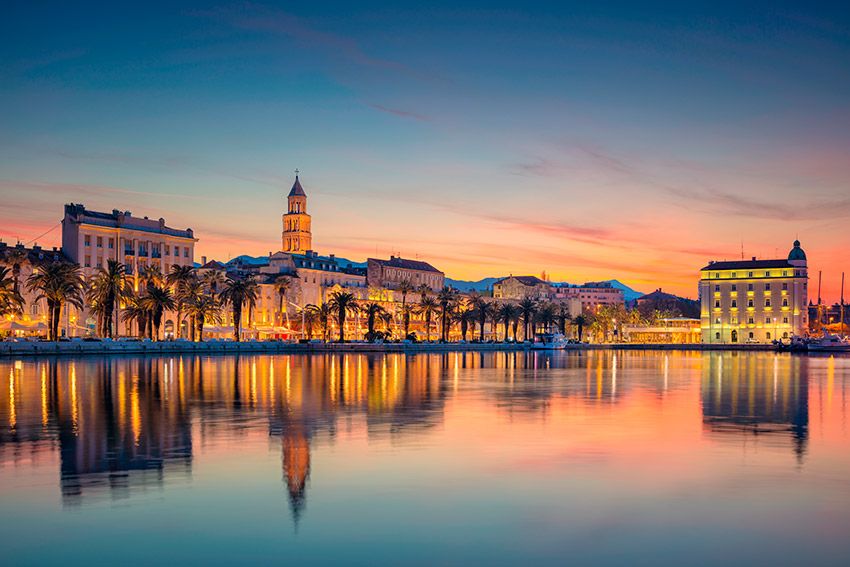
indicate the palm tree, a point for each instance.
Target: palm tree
{"x":322,"y":314}
{"x":427,"y":307}
{"x":239,"y":292}
{"x":15,"y":259}
{"x":342,"y":302}
{"x":282,"y":285}
{"x":11,"y":301}
{"x":310,"y":317}
{"x":483,"y":310}
{"x":59,"y":283}
{"x":135,"y":312}
{"x":203,"y":308}
{"x":563,"y":315}
{"x":546,"y":316}
{"x":527,"y":307}
{"x":580,"y":322}
{"x":214,"y":281}
{"x":466,"y":316}
{"x":178,"y":278}
{"x":190,"y":293}
{"x":405,"y":287}
{"x":157,"y":301}
{"x":108,"y":288}
{"x":506,"y":313}
{"x":372,"y":311}
{"x":446,"y":298}
{"x":151,"y":275}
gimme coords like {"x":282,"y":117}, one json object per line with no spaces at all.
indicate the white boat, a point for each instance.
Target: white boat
{"x":549,"y":341}
{"x":829,"y":343}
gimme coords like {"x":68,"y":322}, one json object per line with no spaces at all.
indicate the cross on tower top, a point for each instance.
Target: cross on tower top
{"x":297,"y":172}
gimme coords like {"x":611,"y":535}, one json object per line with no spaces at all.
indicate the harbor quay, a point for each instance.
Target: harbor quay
{"x":96,"y":348}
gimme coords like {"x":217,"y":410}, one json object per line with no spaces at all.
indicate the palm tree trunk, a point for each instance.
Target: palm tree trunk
{"x":237,"y":322}
{"x":342,"y":326}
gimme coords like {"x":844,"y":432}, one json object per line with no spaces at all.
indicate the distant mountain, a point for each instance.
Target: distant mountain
{"x":467,"y":286}
{"x":629,"y":294}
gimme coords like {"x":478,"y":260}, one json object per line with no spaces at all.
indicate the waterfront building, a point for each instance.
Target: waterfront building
{"x":521,"y":287}
{"x":754,"y":301}
{"x":297,"y":232}
{"x":673,"y":330}
{"x":90,"y":238}
{"x":390,"y":273}
{"x":590,"y":296}
{"x":22,"y":261}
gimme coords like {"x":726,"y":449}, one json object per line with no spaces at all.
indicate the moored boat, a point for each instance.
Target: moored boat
{"x":549,"y":341}
{"x":829,"y":343}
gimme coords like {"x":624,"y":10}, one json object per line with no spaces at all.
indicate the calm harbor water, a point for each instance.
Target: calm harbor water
{"x":585,"y":458}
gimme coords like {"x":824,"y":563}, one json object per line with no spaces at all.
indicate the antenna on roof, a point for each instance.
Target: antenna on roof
{"x":742,"y":249}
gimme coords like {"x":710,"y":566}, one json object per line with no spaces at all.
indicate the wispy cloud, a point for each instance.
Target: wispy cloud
{"x":401,"y":113}
{"x":779,"y":208}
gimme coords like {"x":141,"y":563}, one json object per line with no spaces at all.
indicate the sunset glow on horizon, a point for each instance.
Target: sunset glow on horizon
{"x":634,"y":144}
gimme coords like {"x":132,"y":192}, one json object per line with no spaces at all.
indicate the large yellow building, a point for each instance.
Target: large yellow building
{"x":754,"y":301}
{"x":297,"y":234}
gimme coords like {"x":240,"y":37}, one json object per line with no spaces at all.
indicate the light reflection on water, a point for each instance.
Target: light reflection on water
{"x":600,"y":457}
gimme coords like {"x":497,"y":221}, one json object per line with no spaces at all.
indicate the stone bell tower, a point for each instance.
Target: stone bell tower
{"x":297,"y":236}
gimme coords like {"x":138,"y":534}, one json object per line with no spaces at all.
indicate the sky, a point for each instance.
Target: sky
{"x":634,"y":141}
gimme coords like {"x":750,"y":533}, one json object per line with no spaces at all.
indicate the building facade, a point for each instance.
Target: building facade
{"x":590,"y":296}
{"x":517,"y":288}
{"x":754,"y":301}
{"x":22,"y":262}
{"x":390,"y":273}
{"x":90,"y":238}
{"x":297,"y":230}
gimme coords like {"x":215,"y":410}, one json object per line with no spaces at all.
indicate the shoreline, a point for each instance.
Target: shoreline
{"x":79,"y":348}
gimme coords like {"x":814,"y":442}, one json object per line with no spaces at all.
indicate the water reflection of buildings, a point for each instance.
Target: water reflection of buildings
{"x":762,"y":395}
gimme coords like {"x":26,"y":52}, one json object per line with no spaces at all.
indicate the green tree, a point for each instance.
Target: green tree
{"x":343,"y":303}
{"x":372,"y":311}
{"x":427,"y":307}
{"x":446,"y":298}
{"x":203,"y":308}
{"x":483,"y":311}
{"x":506,"y":313}
{"x":239,"y":293}
{"x":322,"y":314}
{"x":178,"y":278}
{"x":156,"y":301}
{"x":282,"y":285}
{"x":107,"y":289}
{"x":405,"y":287}
{"x":528,"y":308}
{"x":60,"y":284}
{"x":11,"y":301}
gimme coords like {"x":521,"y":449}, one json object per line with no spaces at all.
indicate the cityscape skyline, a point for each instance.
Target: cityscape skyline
{"x":561,"y":140}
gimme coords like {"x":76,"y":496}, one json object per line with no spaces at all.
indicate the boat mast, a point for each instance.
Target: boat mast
{"x":841,"y":320}
{"x":820,"y":308}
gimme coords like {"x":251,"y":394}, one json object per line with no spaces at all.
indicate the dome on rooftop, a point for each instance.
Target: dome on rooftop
{"x":796,"y":252}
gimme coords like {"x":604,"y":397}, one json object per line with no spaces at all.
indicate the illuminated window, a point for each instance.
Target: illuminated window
{"x":785,"y":335}
{"x":717,"y":321}
{"x":767,"y":320}
{"x":767,"y":274}
{"x":768,"y":336}
{"x":785,"y":320}
{"x":752,"y":335}
{"x":734,"y":274}
{"x":734,"y":320}
{"x":751,"y":274}
{"x":100,"y":242}
{"x":751,"y":321}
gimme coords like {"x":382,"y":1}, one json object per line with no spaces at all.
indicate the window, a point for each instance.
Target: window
{"x":734,"y":275}
{"x":752,"y":335}
{"x":767,"y":302}
{"x":734,"y":303}
{"x":87,"y":240}
{"x":717,"y":304}
{"x":785,"y":302}
{"x":167,"y":250}
{"x":768,"y":320}
{"x":717,"y":288}
{"x":767,"y":287}
{"x":768,"y":336}
{"x":716,"y":275}
{"x":185,"y":252}
{"x":734,"y":287}
{"x":111,"y":243}
{"x":717,"y":320}
{"x":749,"y":287}
{"x":785,"y":287}
{"x":749,"y":303}
{"x":785,"y":335}
{"x":785,"y":320}
{"x":784,"y":273}
{"x":734,"y":320}
{"x":717,"y":336}
{"x":751,"y":274}
{"x":767,"y":274}
{"x":88,"y":261}
{"x":751,"y":321}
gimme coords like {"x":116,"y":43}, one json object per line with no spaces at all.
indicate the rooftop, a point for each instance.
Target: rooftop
{"x":524,"y":280}
{"x":297,"y":190}
{"x":403,"y":263}
{"x":124,"y":219}
{"x":747,"y":264}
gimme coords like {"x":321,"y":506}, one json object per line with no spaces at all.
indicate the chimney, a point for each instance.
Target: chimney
{"x":754,"y":258}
